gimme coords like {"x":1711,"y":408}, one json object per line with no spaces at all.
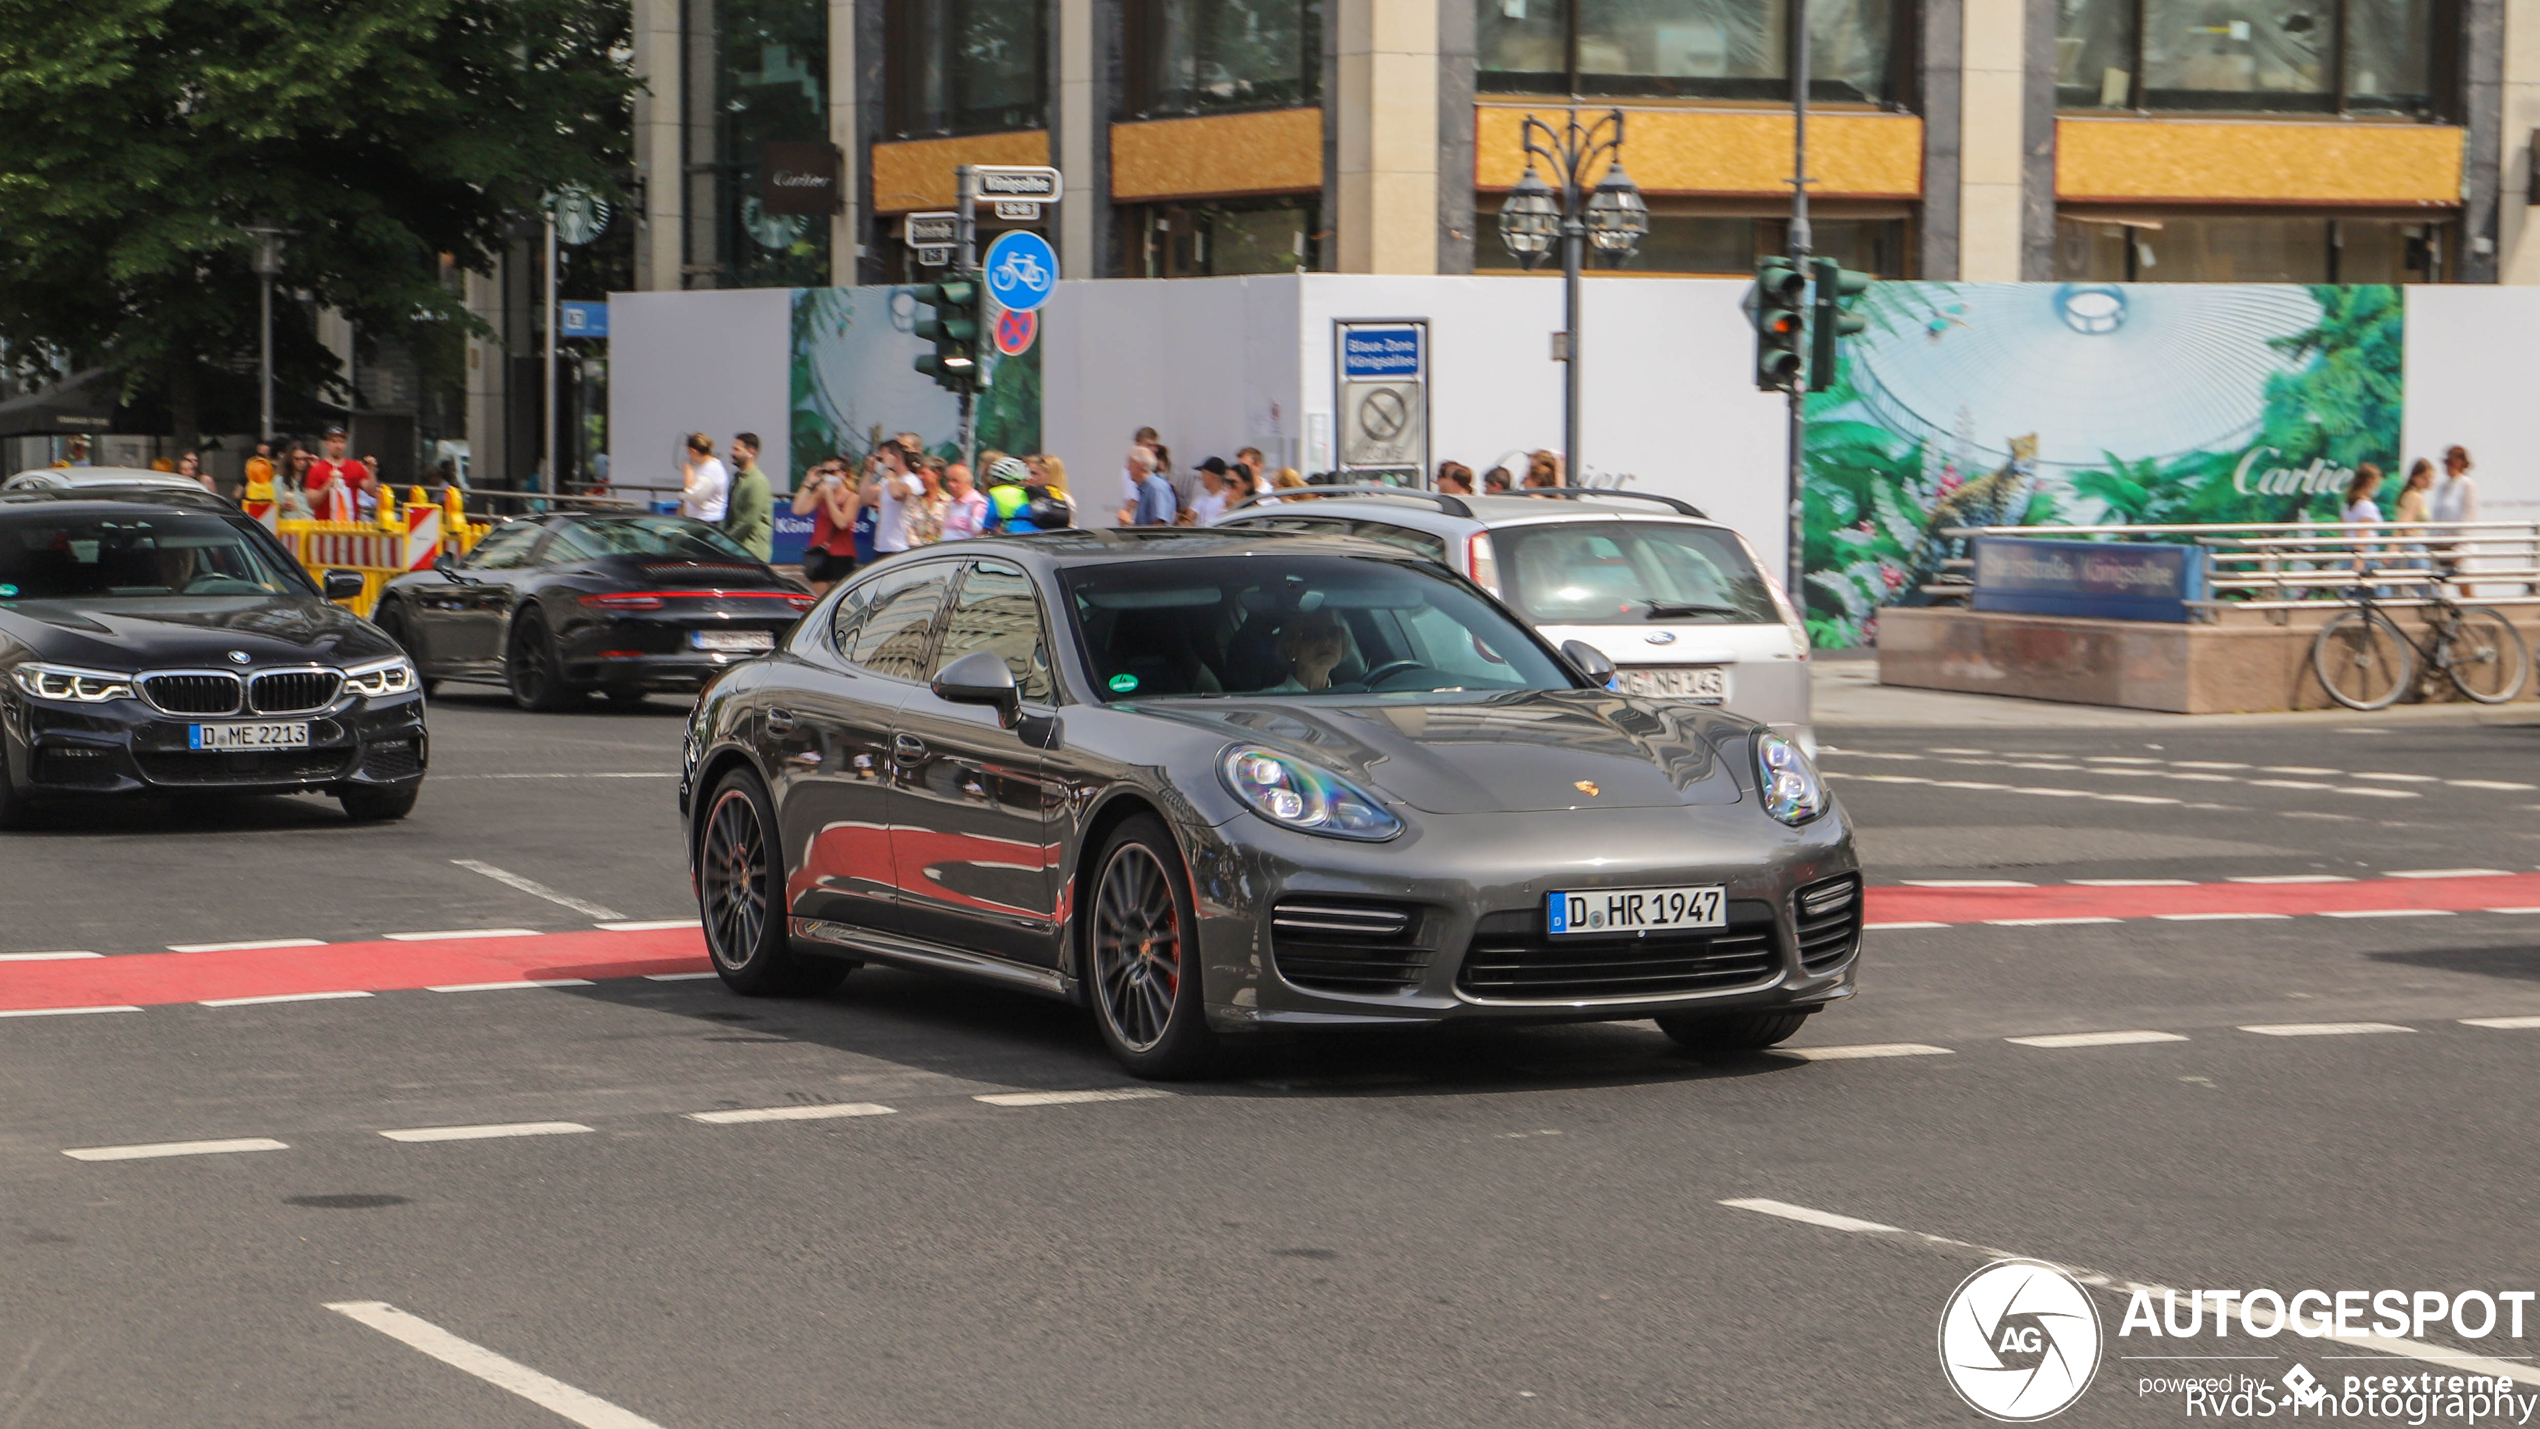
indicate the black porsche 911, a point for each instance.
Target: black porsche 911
{"x":157,"y":646}
{"x":562,"y":606}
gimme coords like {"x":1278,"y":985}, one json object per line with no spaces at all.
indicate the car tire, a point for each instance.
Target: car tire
{"x":1713,"y":1035}
{"x":378,"y":803}
{"x":532,"y":668}
{"x":1142,"y":959}
{"x":741,"y":897}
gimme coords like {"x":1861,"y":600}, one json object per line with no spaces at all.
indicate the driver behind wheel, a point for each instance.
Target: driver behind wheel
{"x":1312,"y":647}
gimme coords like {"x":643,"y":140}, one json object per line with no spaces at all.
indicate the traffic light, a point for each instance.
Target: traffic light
{"x":954,"y":329}
{"x":1835,"y":285}
{"x":1781,"y":323}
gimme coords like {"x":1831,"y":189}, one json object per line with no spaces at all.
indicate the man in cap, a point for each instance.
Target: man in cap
{"x":335,"y":482}
{"x":1210,"y":504}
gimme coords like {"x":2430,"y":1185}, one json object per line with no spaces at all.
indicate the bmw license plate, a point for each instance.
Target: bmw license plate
{"x":732,"y":639}
{"x":247,"y":736}
{"x":1708,"y":684}
{"x":1637,"y":910}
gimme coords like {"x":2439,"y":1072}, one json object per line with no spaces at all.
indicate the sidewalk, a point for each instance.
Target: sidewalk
{"x":1848,"y":694}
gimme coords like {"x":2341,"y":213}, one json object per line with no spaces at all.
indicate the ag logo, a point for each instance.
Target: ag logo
{"x":2019,"y":1340}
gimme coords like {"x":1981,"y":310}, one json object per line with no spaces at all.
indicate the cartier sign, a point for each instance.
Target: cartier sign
{"x":799,"y":178}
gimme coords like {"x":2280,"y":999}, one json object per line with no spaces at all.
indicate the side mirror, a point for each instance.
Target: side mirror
{"x":1590,"y":661}
{"x":343,"y":585}
{"x":981,"y":678}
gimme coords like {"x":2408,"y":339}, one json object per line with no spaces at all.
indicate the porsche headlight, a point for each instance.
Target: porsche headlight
{"x":67,"y":683}
{"x":393,"y":676}
{"x":1792,"y":790}
{"x":1294,"y":794}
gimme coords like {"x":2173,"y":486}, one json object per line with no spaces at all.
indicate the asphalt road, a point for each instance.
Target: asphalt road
{"x":1506,"y":1228}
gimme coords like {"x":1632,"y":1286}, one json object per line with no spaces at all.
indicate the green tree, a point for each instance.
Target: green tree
{"x":139,"y":138}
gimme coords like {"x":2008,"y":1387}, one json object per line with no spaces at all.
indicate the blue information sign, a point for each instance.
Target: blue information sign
{"x":1022,"y":270}
{"x":1380,"y":352}
{"x":583,"y":320}
{"x":2106,"y":580}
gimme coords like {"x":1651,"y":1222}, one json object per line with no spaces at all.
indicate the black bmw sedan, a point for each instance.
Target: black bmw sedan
{"x":1214,"y":782}
{"x":150,"y":646}
{"x":562,"y":606}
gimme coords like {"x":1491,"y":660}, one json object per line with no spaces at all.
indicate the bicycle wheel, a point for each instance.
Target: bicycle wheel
{"x":2485,"y":656}
{"x":2362,"y":660}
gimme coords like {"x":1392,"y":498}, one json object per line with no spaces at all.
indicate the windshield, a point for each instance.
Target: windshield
{"x":1299,"y":625}
{"x":660,"y":537}
{"x":50,"y":556}
{"x":1627,"y":572}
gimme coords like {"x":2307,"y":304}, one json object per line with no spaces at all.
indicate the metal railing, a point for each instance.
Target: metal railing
{"x":2279,"y":567}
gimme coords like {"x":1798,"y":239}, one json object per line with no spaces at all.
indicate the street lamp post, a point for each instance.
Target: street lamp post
{"x":1611,"y":218}
{"x":268,"y":266}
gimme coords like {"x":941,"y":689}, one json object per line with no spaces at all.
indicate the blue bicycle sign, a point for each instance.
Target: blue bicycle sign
{"x":1022,"y":270}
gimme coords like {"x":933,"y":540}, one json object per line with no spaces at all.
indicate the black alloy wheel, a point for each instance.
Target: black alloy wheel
{"x":740,"y":893}
{"x":1716,"y":1036}
{"x":1142,"y":955}
{"x":532,"y":667}
{"x":377,"y":803}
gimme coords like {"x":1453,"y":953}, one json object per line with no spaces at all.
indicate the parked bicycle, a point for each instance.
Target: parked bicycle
{"x":2366,"y":662}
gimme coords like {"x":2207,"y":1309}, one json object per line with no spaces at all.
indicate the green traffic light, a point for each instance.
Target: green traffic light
{"x":1835,"y":285}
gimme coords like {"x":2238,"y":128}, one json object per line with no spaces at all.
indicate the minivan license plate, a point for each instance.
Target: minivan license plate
{"x":247,"y":736}
{"x":1706,"y":683}
{"x":732,"y":639}
{"x":1636,"y":910}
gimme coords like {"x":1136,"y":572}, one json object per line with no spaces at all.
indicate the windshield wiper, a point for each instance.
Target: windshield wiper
{"x":1671,"y":609}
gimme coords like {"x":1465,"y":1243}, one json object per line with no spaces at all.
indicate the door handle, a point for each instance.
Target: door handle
{"x":907,"y":748}
{"x":780,"y":721}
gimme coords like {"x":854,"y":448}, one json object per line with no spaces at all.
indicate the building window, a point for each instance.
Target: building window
{"x":1218,"y":240}
{"x":2229,"y":249}
{"x":967,"y":66}
{"x":1212,"y":56}
{"x":1718,"y":49}
{"x":1698,"y":245}
{"x":2301,"y":56}
{"x":765,"y":67}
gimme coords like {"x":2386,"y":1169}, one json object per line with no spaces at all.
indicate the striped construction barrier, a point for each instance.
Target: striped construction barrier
{"x":407,"y":536}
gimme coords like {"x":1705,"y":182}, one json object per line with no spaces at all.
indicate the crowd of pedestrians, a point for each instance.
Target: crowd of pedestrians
{"x":898,"y":498}
{"x":1153,"y":494}
{"x":2427,"y":505}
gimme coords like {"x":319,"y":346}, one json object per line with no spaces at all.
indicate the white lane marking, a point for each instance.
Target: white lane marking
{"x":2057,"y":768}
{"x":1863,"y":1051}
{"x":2485,"y":784}
{"x":655,"y":925}
{"x":2394,"y":778}
{"x":1966,"y":784}
{"x":1121,"y":1094}
{"x":2214,"y":917}
{"x":1952,"y":749}
{"x":2297,"y":769}
{"x":2044,"y":792}
{"x":535,"y":889}
{"x":65,"y":1011}
{"x":175,"y":1148}
{"x":2509,"y":910}
{"x":2323,"y":1029}
{"x":792,"y":1113}
{"x":2370,"y":793}
{"x":2133,"y":882}
{"x":2094,"y":1039}
{"x":678,"y":977}
{"x":279,"y":997}
{"x":508,"y":986}
{"x":2502,"y":1024}
{"x":486,"y":1133}
{"x":1810,"y":1216}
{"x":450,"y":935}
{"x":2291,"y":878}
{"x":1894,"y":927}
{"x":2136,"y":799}
{"x":2207,"y":764}
{"x":588,"y":1410}
{"x":2151,"y":774}
{"x":2044,"y":922}
{"x":2451,"y":1360}
{"x":1965,"y":883}
{"x":2203,"y":778}
{"x":2290,"y":784}
{"x":2387,"y":913}
{"x":249,"y":946}
{"x":2448,"y":873}
{"x":44,"y":957}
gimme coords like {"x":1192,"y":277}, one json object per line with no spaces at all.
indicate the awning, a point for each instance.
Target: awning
{"x":85,"y":402}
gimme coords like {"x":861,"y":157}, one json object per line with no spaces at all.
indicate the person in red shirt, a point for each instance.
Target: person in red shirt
{"x":335,"y":482}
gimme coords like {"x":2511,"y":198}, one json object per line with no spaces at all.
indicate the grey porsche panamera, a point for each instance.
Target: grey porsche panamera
{"x":1213,"y":783}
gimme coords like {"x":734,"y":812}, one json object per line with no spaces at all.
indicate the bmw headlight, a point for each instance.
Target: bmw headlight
{"x":1294,"y":794}
{"x":1792,"y":789}
{"x":64,"y":682}
{"x":381,"y":677}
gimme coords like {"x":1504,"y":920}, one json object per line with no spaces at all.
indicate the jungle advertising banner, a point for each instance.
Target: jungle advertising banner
{"x":2042,"y":404}
{"x":855,"y":384}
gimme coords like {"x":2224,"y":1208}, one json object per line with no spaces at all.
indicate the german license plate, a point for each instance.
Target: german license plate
{"x":1708,"y":684}
{"x":732,"y":639}
{"x":247,"y":736}
{"x":1636,"y":910}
